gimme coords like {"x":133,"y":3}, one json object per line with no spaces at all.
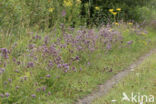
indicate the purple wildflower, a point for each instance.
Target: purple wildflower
{"x":36,"y":37}
{"x":67,"y":67}
{"x":14,"y":59}
{"x":10,"y":80}
{"x":35,"y":58}
{"x":30,"y":64}
{"x":33,"y":95}
{"x":71,"y":51}
{"x":63,"y":13}
{"x":110,"y":70}
{"x":17,"y":87}
{"x":4,"y":52}
{"x":76,"y":58}
{"x":49,"y":93}
{"x":7,"y":94}
{"x":44,"y":88}
{"x":2,"y":95}
{"x":48,"y":76}
{"x":108,"y":46}
{"x":65,"y":71}
{"x":31,"y":46}
{"x":130,"y":42}
{"x":17,"y":71}
{"x":2,"y":69}
{"x":25,"y":77}
{"x":50,"y":64}
{"x":18,"y":62}
{"x":73,"y":68}
{"x":59,"y":65}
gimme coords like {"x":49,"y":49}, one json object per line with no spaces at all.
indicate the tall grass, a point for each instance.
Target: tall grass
{"x":42,"y":15}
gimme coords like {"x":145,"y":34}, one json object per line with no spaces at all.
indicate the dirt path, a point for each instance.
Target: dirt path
{"x":106,"y":87}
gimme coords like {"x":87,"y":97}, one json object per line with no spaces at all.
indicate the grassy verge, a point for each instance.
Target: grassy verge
{"x":140,"y":82}
{"x":33,"y":86}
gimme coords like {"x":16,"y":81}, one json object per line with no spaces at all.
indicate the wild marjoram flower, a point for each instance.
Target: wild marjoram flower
{"x":33,"y":95}
{"x":130,"y":42}
{"x":48,"y":75}
{"x":30,"y":64}
{"x":7,"y":94}
{"x":4,"y":52}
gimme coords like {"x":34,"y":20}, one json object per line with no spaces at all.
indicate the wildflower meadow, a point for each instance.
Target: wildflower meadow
{"x":60,"y":51}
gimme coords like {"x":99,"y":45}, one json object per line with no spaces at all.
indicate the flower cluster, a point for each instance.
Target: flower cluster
{"x":114,"y":12}
{"x":4,"y":52}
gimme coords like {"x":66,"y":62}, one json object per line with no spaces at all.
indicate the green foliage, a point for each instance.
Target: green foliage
{"x":129,"y":10}
{"x":29,"y":13}
{"x":20,"y":14}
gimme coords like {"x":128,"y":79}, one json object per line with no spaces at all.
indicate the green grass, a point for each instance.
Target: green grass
{"x":140,"y":82}
{"x":85,"y":82}
{"x":67,"y":88}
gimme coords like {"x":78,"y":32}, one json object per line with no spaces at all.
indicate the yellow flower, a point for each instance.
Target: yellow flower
{"x":97,"y":8}
{"x":111,"y":10}
{"x":114,"y":13}
{"x":51,"y":10}
{"x":78,"y":1}
{"x":116,"y":23}
{"x":118,"y":9}
{"x":130,"y":23}
{"x":67,"y":3}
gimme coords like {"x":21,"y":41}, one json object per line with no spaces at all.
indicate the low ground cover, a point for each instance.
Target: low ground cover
{"x":138,"y":86}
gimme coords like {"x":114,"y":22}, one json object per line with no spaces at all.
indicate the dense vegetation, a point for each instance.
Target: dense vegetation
{"x":55,"y":51}
{"x":43,"y":14}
